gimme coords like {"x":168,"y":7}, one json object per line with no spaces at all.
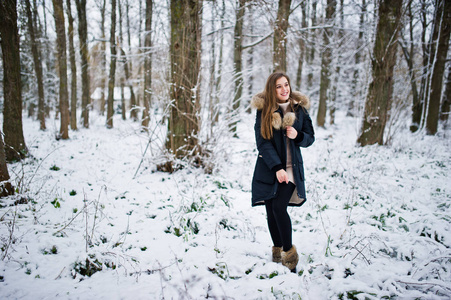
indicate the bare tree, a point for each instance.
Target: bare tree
{"x":49,"y":60}
{"x":355,"y":91}
{"x":250,"y":60}
{"x":220,"y":62}
{"x":441,"y":33}
{"x":212,"y":104}
{"x":444,"y":116}
{"x":379,"y":98}
{"x":280,"y":36}
{"x":238,"y":61}
{"x":15,"y":148}
{"x":147,"y":66}
{"x":123,"y":60}
{"x":185,"y":49}
{"x":111,"y":78}
{"x":58,"y":13}
{"x":129,"y":68}
{"x":73,"y":68}
{"x":312,"y":46}
{"x":417,"y":108}
{"x":338,"y":61}
{"x":325,"y":65}
{"x":302,"y":47}
{"x":103,"y":84}
{"x":83,"y":37}
{"x":408,"y":49}
{"x":5,"y":186}
{"x":36,"y":61}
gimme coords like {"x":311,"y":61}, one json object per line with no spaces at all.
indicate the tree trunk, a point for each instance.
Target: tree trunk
{"x":444,"y":116}
{"x":147,"y":66}
{"x":127,"y":80}
{"x":124,"y":62}
{"x":15,"y":148}
{"x":250,"y":61}
{"x":140,"y":66}
{"x":302,"y":48}
{"x":211,"y":85}
{"x":49,"y":58}
{"x":58,"y":12}
{"x":280,"y":36}
{"x":73,"y":69}
{"x":129,"y":70}
{"x":442,"y":24}
{"x":37,"y":63}
{"x":380,"y":91}
{"x":339,"y":44}
{"x":417,"y":110}
{"x":238,"y":62}
{"x":221,"y":50}
{"x":111,"y":80}
{"x":409,"y":56}
{"x":325,"y":65}
{"x":355,"y":89}
{"x":6,"y":188}
{"x":312,"y":46}
{"x":185,"y":50}
{"x":83,"y":37}
{"x":103,"y":83}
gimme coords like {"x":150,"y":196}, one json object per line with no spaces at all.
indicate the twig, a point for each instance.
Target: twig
{"x":360,"y":252}
{"x":437,"y":258}
{"x":95,"y":213}
{"x":85,"y":209}
{"x":425,"y":283}
{"x":65,"y":226}
{"x":59,"y":276}
{"x":11,"y":235}
{"x":150,"y":139}
{"x":258,"y":42}
{"x":36,"y":170}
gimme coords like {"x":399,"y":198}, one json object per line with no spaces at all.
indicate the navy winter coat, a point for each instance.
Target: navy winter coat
{"x":272,"y":153}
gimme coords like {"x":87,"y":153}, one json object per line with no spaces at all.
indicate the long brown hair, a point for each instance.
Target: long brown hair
{"x":270,"y":103}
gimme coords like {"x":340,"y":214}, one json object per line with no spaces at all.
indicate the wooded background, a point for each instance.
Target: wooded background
{"x":191,"y":67}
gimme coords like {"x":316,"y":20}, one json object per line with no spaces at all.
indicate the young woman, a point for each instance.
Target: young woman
{"x":282,"y":126}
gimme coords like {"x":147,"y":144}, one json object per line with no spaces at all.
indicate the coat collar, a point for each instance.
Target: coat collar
{"x":258,"y":101}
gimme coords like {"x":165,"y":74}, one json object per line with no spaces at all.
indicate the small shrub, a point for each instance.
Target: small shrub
{"x":87,"y":268}
{"x":54,"y":168}
{"x":90,"y":266}
{"x":224,"y":224}
{"x":56,"y":203}
{"x":52,"y":250}
{"x":220,"y":185}
{"x":222,"y":271}
{"x":73,"y":193}
{"x":177,"y":232}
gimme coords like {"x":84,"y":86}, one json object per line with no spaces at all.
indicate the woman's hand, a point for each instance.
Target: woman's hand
{"x":291,"y":132}
{"x":282,"y":176}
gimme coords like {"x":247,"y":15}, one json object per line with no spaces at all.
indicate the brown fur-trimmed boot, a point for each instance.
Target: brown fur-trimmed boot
{"x":290,"y":258}
{"x":276,"y":254}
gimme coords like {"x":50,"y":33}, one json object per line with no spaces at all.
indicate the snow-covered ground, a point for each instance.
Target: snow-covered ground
{"x":376,"y":225}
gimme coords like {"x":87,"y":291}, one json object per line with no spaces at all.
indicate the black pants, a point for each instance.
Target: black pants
{"x":279,"y":222}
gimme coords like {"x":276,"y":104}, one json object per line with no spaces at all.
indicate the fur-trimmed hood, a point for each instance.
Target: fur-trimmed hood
{"x":258,"y":101}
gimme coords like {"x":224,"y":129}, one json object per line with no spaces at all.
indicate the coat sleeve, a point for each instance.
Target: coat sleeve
{"x":307,"y":130}
{"x":265,"y":147}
